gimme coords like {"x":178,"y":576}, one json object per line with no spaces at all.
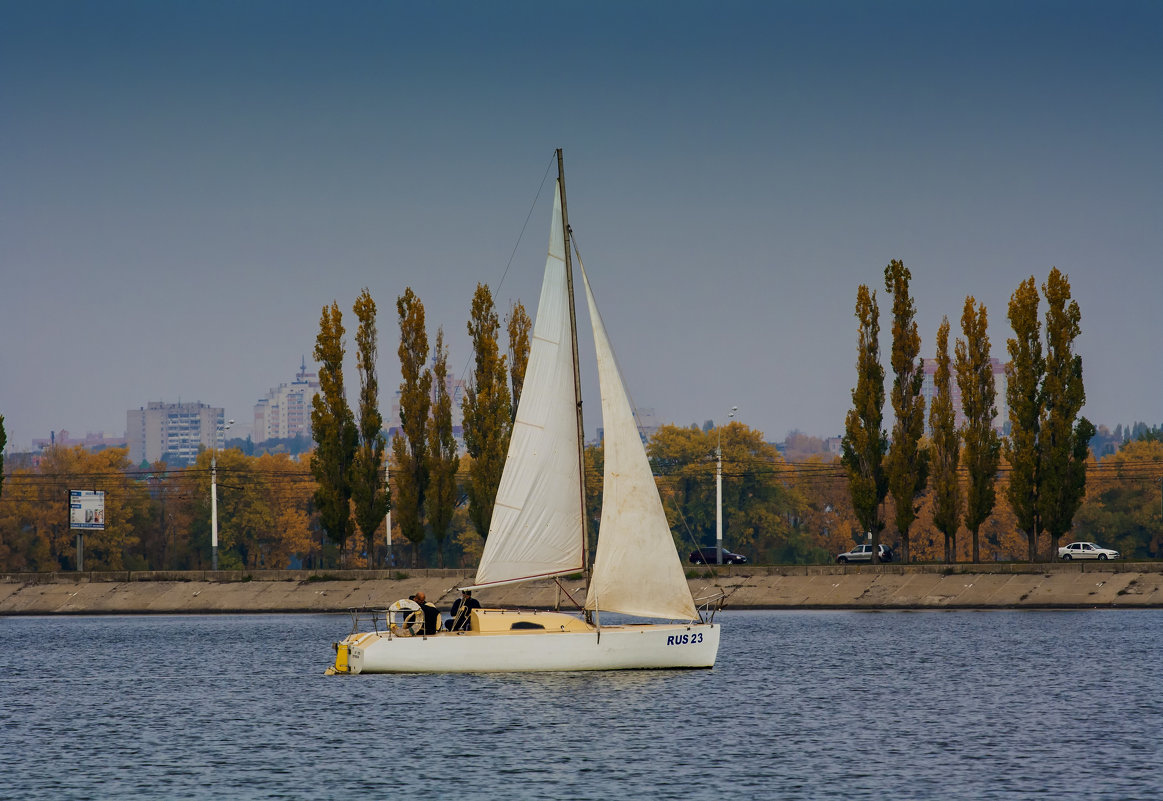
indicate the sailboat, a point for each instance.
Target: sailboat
{"x":538,"y":528}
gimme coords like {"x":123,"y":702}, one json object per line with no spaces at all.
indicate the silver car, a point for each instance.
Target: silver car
{"x":1086,"y":550}
{"x":863,"y":553}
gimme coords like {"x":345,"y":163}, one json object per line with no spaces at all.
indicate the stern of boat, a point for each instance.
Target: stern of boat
{"x":349,"y":654}
{"x":342,"y":663}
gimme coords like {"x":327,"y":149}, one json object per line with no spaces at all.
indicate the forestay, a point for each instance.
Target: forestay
{"x":536,"y":530}
{"x":636,"y":568}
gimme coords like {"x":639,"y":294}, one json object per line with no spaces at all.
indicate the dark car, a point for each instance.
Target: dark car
{"x":709,"y":556}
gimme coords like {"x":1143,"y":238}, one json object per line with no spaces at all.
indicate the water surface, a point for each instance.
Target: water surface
{"x":801,"y":705}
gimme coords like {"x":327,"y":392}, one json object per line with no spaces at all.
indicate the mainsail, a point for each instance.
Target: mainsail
{"x":536,"y":530}
{"x":636,"y":568}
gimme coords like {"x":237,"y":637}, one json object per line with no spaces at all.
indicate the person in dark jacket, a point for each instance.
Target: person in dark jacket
{"x":462,"y":611}
{"x":430,"y":612}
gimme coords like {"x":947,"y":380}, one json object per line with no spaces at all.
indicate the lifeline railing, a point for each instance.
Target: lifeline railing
{"x":380,"y":620}
{"x":708,"y":605}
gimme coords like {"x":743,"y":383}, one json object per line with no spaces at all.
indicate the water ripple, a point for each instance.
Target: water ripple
{"x":802,"y":705}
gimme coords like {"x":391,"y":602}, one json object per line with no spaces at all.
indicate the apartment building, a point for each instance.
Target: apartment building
{"x":285,"y":412}
{"x":175,"y":431}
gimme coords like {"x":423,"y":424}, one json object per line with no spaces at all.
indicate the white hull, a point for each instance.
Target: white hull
{"x":630,"y":647}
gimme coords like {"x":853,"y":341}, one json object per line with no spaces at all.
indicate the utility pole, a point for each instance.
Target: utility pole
{"x":388,"y":561}
{"x":719,"y":491}
{"x":218,"y":430}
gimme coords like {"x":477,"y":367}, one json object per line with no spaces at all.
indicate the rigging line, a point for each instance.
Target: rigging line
{"x":528,"y":217}
{"x":692,"y":540}
{"x":560,"y":586}
{"x":517,"y":244}
{"x":727,"y":595}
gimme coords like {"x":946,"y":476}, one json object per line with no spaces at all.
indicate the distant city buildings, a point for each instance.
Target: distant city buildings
{"x":799,"y":447}
{"x":929,"y":391}
{"x":90,"y":442}
{"x":285,"y":412}
{"x":175,"y":431}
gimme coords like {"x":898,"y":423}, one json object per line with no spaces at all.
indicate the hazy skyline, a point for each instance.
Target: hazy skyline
{"x":183,"y":186}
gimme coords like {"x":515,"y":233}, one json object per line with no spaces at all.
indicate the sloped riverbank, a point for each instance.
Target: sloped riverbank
{"x":1003,"y":586}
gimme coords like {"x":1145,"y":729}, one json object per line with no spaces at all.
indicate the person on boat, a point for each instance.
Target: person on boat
{"x":462,"y":611}
{"x":431,"y":614}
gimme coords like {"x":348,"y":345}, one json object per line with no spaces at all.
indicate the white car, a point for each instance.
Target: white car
{"x":863,"y":553}
{"x":1085,"y":550}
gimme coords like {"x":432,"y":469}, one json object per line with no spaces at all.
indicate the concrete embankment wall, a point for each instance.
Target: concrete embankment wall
{"x":1004,"y":586}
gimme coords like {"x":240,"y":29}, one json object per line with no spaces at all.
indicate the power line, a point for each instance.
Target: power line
{"x":670,"y":472}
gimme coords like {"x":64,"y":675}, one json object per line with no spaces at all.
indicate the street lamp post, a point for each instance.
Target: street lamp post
{"x":388,"y":560}
{"x":719,"y":491}
{"x":218,"y":430}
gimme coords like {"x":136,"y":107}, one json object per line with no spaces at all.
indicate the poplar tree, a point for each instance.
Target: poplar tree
{"x":519,"y":326}
{"x":3,"y":444}
{"x":443,"y":461}
{"x":595,"y":461}
{"x":978,"y":393}
{"x":369,"y":489}
{"x":1023,"y":395}
{"x":488,"y":415}
{"x":865,"y":443}
{"x":945,"y":451}
{"x":1048,"y":443}
{"x":907,"y":463}
{"x":410,"y":445}
{"x":334,"y":431}
{"x":1065,"y":437}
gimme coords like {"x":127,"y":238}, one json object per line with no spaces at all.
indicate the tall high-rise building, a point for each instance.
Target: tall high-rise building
{"x":285,"y":412}
{"x":174,"y":431}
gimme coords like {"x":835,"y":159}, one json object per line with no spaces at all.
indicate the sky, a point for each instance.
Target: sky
{"x":184,"y":186}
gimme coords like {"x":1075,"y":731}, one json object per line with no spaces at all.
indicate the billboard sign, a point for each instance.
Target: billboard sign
{"x":87,"y":509}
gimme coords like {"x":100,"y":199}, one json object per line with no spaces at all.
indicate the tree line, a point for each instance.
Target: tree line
{"x":775,"y":511}
{"x":957,"y":492}
{"x":350,"y":463}
{"x":1046,"y":449}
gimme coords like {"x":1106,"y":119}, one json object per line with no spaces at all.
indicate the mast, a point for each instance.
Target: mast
{"x":581,"y":444}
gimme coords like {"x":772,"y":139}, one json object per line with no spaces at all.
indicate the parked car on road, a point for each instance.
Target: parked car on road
{"x":1086,"y":550}
{"x":708,"y":556}
{"x":863,"y":553}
